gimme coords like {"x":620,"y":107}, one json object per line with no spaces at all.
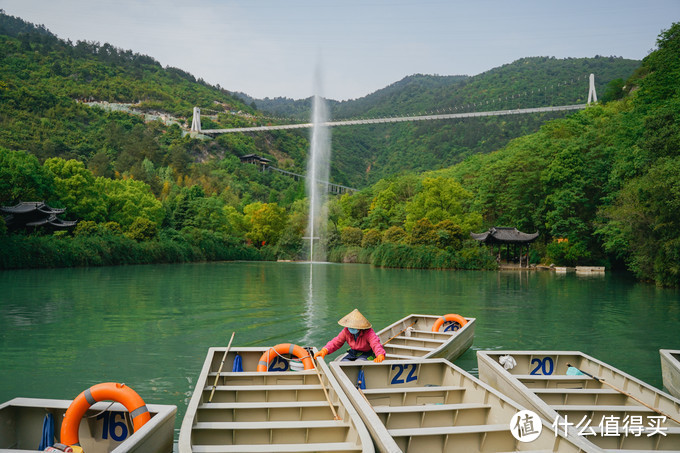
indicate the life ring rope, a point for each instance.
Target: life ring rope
{"x":285,"y":349}
{"x":120,"y":393}
{"x":451,"y":317}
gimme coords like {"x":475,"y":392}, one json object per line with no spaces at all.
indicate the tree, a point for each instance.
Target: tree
{"x":351,"y":236}
{"x":22,"y":178}
{"x":75,"y":189}
{"x":128,"y":199}
{"x":265,"y":222}
{"x":441,"y":199}
{"x":423,"y":233}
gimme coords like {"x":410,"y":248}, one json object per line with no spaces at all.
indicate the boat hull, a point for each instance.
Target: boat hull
{"x":608,"y":418}
{"x":102,"y":429}
{"x":430,"y":405}
{"x":280,"y":411}
{"x":670,"y":370}
{"x":412,"y":338}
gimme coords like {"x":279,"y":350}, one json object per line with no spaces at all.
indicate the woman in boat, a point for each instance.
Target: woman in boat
{"x":360,"y":337}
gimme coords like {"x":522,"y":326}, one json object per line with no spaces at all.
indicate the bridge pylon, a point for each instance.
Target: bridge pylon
{"x":592,"y":95}
{"x":196,"y":120}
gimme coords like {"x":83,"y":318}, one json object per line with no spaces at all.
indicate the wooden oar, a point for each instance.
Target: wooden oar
{"x":599,"y":379}
{"x":224,"y":357}
{"x":325,"y":392}
{"x":400,"y":333}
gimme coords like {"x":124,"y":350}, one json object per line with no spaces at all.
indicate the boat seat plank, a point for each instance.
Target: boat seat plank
{"x":265,"y":405}
{"x":429,"y":332}
{"x":599,"y":408}
{"x":445,"y":430}
{"x":551,"y":377}
{"x":259,"y":388}
{"x":441,"y":388}
{"x":407,"y":347}
{"x":270,"y":425}
{"x":430,"y":408}
{"x":257,"y":448}
{"x":389,"y":355}
{"x":593,"y":391}
{"x":640,"y":451}
{"x":428,"y":340}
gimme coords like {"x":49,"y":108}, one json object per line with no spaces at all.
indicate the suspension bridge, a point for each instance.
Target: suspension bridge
{"x":592,"y":97}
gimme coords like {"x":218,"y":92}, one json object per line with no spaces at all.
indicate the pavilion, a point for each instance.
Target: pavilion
{"x":508,"y":236}
{"x":34,"y":214}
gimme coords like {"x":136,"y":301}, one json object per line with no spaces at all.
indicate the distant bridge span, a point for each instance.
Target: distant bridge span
{"x":399,"y":119}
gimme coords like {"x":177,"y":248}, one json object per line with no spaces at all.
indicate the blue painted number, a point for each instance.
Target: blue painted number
{"x":279,"y":364}
{"x":118,"y":430}
{"x":411,"y":376}
{"x":545,"y":365}
{"x":451,"y":326}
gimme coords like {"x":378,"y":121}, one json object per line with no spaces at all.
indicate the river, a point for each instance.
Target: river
{"x":63,"y":330}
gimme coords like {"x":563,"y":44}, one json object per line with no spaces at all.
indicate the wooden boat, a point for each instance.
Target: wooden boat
{"x":276,"y":410}
{"x":670,"y":370}
{"x":103,"y":429}
{"x":434,"y":406}
{"x":610,"y":408}
{"x":412,"y":337}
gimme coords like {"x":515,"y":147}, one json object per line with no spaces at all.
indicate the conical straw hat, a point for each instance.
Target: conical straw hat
{"x":355,"y":320}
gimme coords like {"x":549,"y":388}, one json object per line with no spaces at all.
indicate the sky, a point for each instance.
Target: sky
{"x":348,"y":49}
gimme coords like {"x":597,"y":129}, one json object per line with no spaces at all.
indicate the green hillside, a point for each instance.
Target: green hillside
{"x":601,"y":187}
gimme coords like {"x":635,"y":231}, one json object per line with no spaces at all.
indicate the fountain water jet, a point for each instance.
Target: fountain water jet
{"x":318,"y":169}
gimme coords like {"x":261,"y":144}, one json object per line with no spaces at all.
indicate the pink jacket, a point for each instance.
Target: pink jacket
{"x":366,"y":340}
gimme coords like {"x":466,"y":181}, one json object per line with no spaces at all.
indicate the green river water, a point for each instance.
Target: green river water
{"x":63,"y":330}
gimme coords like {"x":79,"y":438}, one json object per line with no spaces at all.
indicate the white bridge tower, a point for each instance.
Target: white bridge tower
{"x":592,"y":95}
{"x":196,"y":120}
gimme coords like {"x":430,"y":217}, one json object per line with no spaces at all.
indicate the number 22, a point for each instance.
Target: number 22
{"x":397,"y":379}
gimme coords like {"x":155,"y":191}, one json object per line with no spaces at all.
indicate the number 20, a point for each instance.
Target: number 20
{"x":546,"y":365}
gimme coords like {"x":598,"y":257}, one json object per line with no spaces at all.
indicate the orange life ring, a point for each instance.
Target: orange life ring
{"x":102,"y":392}
{"x":451,"y":317}
{"x":283,"y":349}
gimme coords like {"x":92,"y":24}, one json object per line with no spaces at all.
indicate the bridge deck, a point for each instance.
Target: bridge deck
{"x":400,"y":119}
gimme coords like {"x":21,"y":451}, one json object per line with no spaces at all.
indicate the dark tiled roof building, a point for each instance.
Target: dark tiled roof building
{"x":504,"y":235}
{"x":497,"y":236}
{"x":34,"y":214}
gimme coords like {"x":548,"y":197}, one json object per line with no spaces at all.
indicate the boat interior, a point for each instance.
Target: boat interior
{"x":578,"y":397}
{"x":412,"y":337}
{"x":106,"y":427}
{"x":434,"y":406}
{"x":280,"y":410}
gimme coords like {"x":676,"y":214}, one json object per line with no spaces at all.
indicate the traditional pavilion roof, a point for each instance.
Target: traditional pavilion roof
{"x":27,"y":207}
{"x":34,"y":214}
{"x":254,"y":158}
{"x":504,"y":235}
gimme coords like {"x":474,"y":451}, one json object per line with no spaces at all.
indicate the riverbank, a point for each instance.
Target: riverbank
{"x":32,"y":252}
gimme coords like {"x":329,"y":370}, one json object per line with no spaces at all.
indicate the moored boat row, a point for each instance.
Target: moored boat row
{"x":258,"y":399}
